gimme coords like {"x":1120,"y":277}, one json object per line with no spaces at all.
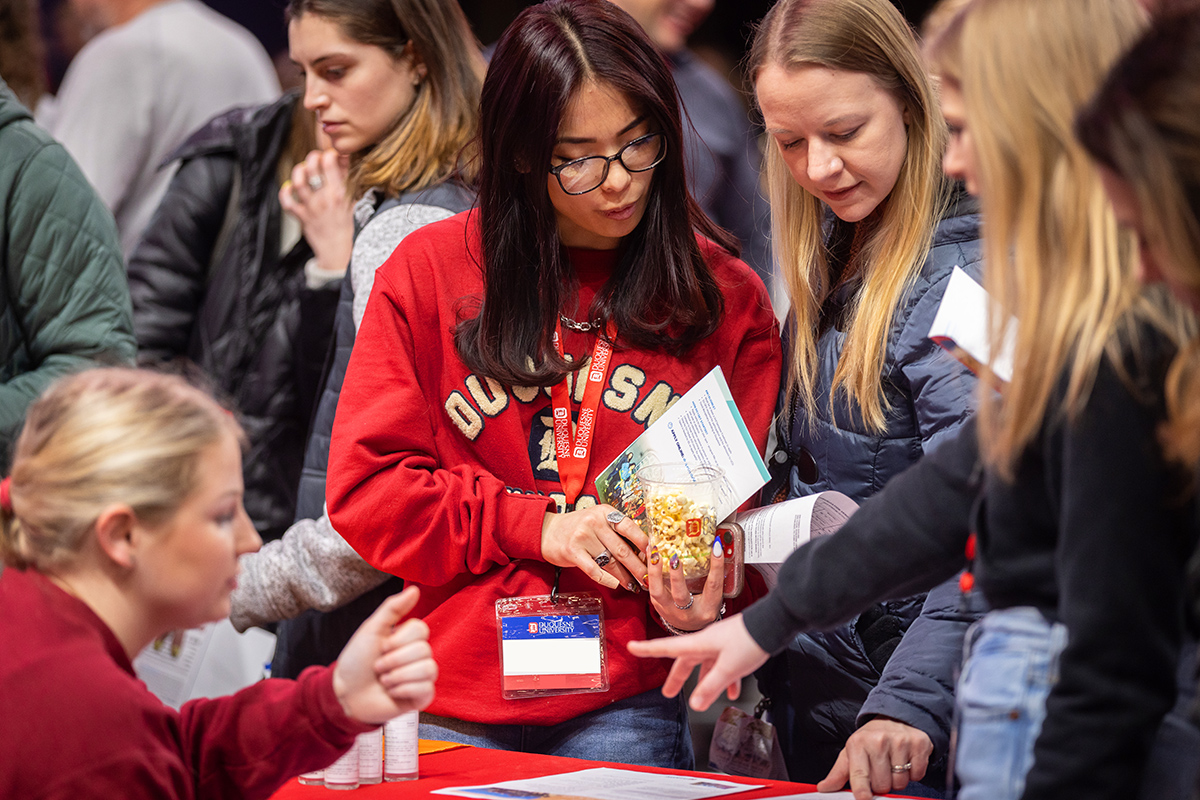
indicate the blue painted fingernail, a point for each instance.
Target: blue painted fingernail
{"x":718,"y":549}
{"x":675,"y":561}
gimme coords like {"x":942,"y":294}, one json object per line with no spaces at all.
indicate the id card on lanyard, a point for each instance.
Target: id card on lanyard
{"x":554,"y":644}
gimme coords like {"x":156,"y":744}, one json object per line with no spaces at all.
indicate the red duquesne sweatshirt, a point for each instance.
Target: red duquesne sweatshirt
{"x":442,"y":477}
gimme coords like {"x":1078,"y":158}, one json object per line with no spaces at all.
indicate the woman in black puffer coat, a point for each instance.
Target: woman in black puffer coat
{"x":223,"y":278}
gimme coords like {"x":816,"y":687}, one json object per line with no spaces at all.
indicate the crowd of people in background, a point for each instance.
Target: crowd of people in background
{"x":302,"y":359}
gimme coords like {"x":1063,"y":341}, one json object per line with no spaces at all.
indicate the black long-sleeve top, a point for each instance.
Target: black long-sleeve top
{"x":1093,"y":531}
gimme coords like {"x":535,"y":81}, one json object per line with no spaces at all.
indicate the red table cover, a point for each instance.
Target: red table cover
{"x":472,"y":766}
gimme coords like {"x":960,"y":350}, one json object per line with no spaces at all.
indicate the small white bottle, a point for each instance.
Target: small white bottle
{"x":314,"y":778}
{"x":370,"y":757}
{"x":343,"y":773}
{"x":400,"y":748}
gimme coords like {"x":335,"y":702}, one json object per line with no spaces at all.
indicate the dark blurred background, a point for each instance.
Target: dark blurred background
{"x":721,"y":40}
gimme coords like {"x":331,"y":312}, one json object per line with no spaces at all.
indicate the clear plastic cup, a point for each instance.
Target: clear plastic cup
{"x":343,"y":773}
{"x":681,"y":509}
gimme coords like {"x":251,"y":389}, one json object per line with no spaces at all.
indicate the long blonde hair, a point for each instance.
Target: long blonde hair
{"x":100,"y":437}
{"x":1143,"y":125}
{"x":435,"y":138}
{"x":867,"y":36}
{"x":1056,"y":259}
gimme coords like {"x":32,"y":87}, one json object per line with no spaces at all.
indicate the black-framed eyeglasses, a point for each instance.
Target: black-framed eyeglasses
{"x":585,"y":174}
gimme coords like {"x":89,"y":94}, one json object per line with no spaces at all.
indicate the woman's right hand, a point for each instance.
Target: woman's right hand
{"x":316,"y":195}
{"x":387,"y":667}
{"x":872,"y":759}
{"x":724,"y":651}
{"x":576,"y":538}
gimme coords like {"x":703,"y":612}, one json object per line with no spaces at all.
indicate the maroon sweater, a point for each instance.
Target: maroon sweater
{"x":76,"y":722}
{"x":443,"y":477}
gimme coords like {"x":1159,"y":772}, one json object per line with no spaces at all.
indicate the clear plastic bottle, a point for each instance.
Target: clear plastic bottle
{"x":370,"y":757}
{"x":314,"y":778}
{"x":343,"y":773}
{"x":400,"y":748}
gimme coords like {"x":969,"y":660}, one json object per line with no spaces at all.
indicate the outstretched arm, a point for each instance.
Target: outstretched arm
{"x":724,"y":651}
{"x":248,"y":744}
{"x":905,"y":539}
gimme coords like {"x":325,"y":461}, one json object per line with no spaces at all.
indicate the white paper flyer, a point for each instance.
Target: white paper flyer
{"x":961,"y":327}
{"x":702,"y":427}
{"x":604,"y":783}
{"x":773,"y":532}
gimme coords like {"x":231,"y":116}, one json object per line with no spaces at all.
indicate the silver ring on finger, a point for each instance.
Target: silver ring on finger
{"x":603,"y":559}
{"x":691,"y":599}
{"x":614,"y":518}
{"x":899,"y":768}
{"x":315,"y":182}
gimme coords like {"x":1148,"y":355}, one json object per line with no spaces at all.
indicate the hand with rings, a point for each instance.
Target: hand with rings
{"x":879,"y":758}
{"x":316,"y":196}
{"x":678,"y":606}
{"x":601,"y":541}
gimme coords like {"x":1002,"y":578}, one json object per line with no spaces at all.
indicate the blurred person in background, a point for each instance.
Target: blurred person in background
{"x":64,"y":302}
{"x":157,"y":71}
{"x":22,"y":51}
{"x":721,"y":145}
{"x":395,"y":87}
{"x":226,"y":279}
{"x":1143,"y":131}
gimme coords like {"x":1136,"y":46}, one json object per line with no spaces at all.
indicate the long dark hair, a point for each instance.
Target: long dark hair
{"x":662,"y":293}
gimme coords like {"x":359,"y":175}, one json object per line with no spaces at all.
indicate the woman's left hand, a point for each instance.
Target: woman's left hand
{"x":316,"y":195}
{"x":387,"y":667}
{"x":671,"y":598}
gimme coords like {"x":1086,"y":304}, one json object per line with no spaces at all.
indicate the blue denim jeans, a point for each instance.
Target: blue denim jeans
{"x":1011,"y":662}
{"x":646,"y":729}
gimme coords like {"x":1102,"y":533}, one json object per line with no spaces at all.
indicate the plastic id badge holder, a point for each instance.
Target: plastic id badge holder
{"x":551,"y":646}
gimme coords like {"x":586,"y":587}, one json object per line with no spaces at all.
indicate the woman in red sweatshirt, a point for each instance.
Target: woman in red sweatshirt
{"x":446,"y":468}
{"x":123,"y":521}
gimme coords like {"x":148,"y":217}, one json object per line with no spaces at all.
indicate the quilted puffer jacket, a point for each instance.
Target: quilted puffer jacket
{"x":883,"y":663}
{"x":210,"y":285}
{"x":64,"y":303}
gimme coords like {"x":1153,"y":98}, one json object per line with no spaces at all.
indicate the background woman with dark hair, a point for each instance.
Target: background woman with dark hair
{"x":395,"y":86}
{"x":443,"y":468}
{"x":1141,"y":128}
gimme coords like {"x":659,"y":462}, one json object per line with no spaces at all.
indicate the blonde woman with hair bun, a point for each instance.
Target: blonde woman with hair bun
{"x":122,"y":521}
{"x":867,"y":233}
{"x":1082,"y":520}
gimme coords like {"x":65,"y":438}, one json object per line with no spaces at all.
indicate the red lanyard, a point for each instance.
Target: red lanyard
{"x":574,"y":449}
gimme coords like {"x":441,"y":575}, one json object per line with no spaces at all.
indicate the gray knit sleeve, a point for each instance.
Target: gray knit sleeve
{"x":310,"y":567}
{"x":376,"y":242}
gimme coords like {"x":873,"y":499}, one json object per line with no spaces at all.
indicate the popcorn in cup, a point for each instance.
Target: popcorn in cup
{"x":681,"y":509}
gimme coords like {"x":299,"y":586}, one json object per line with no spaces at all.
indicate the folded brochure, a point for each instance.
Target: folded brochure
{"x":704,"y":427}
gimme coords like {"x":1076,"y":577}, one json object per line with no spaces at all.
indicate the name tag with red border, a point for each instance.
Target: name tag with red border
{"x":551,"y":647}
